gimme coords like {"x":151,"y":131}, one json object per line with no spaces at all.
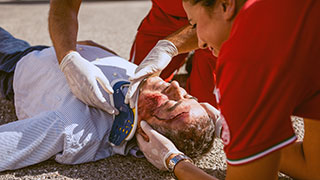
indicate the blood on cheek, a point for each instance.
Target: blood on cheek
{"x":155,"y":100}
{"x":151,"y":102}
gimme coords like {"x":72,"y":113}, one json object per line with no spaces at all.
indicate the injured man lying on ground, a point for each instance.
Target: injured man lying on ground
{"x":54,"y":123}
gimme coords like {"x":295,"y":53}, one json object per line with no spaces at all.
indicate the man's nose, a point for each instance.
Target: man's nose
{"x":176,"y":91}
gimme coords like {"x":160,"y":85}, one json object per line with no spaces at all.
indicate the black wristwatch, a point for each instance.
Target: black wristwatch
{"x":176,"y":159}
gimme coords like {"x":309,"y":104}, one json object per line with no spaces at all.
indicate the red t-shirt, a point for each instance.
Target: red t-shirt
{"x":164,"y":18}
{"x":268,"y":70}
{"x":172,"y":7}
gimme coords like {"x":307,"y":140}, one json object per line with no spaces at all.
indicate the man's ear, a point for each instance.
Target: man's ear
{"x":228,"y":9}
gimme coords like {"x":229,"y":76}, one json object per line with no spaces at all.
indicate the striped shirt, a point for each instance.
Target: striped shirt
{"x":52,"y":121}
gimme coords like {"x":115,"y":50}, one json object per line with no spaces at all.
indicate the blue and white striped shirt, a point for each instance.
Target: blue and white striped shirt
{"x":53,"y":122}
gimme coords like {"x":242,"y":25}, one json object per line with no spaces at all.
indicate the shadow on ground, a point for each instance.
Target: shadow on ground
{"x":116,"y":167}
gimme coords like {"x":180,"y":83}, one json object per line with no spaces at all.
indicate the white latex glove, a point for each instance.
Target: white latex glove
{"x":157,"y":59}
{"x":158,"y":149}
{"x":216,"y":116}
{"x":82,"y":77}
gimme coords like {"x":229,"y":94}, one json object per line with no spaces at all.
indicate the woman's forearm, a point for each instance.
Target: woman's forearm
{"x":185,"y":39}
{"x":186,"y":170}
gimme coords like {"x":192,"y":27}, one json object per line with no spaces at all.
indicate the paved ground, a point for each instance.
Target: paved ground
{"x":113,"y":24}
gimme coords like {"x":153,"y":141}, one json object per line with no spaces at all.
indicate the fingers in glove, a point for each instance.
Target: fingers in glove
{"x":149,"y":152}
{"x":104,"y":82}
{"x":151,"y":133}
{"x":140,"y":132}
{"x":143,"y":145}
{"x":212,"y":111}
{"x":146,"y":128}
{"x":143,"y":73}
{"x":97,"y":92}
{"x":110,"y":109}
{"x":134,"y":98}
{"x":105,"y":105}
{"x":132,"y":92}
{"x":140,"y":140}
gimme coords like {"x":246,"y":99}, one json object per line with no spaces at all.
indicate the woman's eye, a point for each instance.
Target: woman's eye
{"x":194,"y":26}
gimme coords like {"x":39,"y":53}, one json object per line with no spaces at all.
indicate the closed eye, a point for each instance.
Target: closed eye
{"x":164,"y":90}
{"x":190,"y":97}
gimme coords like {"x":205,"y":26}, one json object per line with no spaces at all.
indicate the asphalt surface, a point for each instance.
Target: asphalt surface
{"x":113,"y":24}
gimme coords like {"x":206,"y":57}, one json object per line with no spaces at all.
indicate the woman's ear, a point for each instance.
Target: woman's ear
{"x":228,"y":9}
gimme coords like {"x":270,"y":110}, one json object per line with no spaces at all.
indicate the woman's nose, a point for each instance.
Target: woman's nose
{"x":202,"y":44}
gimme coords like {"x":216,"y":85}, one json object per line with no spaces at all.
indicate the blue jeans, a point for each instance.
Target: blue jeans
{"x":11,"y":51}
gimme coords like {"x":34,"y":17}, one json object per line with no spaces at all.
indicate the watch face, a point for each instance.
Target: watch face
{"x":172,"y":162}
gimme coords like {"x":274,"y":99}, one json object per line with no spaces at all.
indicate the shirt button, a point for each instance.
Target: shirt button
{"x":115,"y":74}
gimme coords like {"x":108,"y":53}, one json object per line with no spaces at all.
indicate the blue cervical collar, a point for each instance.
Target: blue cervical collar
{"x":124,"y":124}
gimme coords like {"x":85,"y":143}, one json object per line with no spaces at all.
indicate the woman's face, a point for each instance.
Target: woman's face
{"x":213,"y":26}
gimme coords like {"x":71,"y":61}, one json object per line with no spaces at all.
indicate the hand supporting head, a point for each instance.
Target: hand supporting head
{"x":177,"y":115}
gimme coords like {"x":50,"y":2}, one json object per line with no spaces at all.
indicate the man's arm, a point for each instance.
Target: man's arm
{"x":63,"y":26}
{"x":82,"y":76}
{"x":92,"y":43}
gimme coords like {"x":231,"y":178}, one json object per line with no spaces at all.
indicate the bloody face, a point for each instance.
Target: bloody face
{"x":167,"y":105}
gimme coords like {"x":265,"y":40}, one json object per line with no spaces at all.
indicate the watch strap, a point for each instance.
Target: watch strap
{"x":176,"y":159}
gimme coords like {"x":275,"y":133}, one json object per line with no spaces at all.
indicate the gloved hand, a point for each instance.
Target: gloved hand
{"x":216,"y":116}
{"x":212,"y":111}
{"x":157,"y":59}
{"x":158,"y":149}
{"x":82,"y":77}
